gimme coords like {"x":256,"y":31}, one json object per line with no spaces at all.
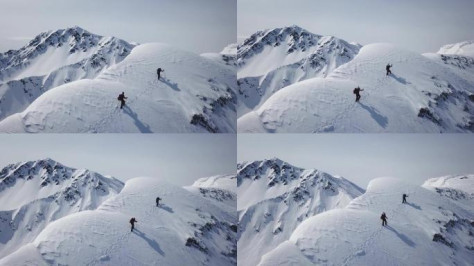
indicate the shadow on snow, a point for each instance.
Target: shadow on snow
{"x":144,"y":128}
{"x":403,"y":237}
{"x":166,"y":208}
{"x":150,"y":242}
{"x":174,"y":86}
{"x":374,"y":113}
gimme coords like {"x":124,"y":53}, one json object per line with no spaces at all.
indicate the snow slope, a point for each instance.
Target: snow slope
{"x":422,"y":95}
{"x":36,"y":193}
{"x":272,"y":59}
{"x":186,"y":229}
{"x":429,"y":230}
{"x":274,"y":197}
{"x":51,"y":59}
{"x":196,"y":95}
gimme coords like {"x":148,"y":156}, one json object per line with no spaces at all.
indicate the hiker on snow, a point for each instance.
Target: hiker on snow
{"x":122,"y":98}
{"x":158,"y":201}
{"x":132,"y":222}
{"x":388,"y":69}
{"x":404,"y":198}
{"x":357,"y":93}
{"x":158,"y":72}
{"x":384,"y":219}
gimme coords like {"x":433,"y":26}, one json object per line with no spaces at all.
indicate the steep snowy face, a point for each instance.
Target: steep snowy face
{"x":465,"y":48}
{"x":33,"y":194}
{"x":429,"y":229}
{"x":421,"y":95}
{"x":194,"y":94}
{"x":272,"y":59}
{"x":186,"y":229}
{"x":274,"y":197}
{"x":52,"y":59}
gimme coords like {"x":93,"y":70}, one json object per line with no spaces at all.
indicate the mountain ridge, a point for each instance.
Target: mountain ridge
{"x":274,"y":197}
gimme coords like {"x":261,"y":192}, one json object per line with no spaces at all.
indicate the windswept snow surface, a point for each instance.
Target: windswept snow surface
{"x":274,"y":197}
{"x":186,"y":229}
{"x":428,"y":230}
{"x":52,"y":59}
{"x":421,"y":95}
{"x":426,"y":93}
{"x":195,"y":94}
{"x":36,"y":193}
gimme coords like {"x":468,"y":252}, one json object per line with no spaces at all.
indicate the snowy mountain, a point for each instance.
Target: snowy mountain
{"x":186,"y":229}
{"x":458,"y":188}
{"x":51,"y":59}
{"x":274,"y":197}
{"x":227,"y":182}
{"x":195,"y":94}
{"x":220,"y":188}
{"x":430,"y":229}
{"x":227,"y":56}
{"x":462,"y":48}
{"x":426,"y":93}
{"x":36,"y":193}
{"x":272,"y":59}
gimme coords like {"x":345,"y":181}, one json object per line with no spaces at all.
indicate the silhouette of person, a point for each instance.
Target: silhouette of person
{"x":132,"y":222}
{"x":384,"y":219}
{"x":357,"y":93}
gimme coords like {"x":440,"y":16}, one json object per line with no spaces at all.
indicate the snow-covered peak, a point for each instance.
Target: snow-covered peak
{"x":276,"y":170}
{"x":293,"y":38}
{"x":271,"y":178}
{"x":24,"y":182}
{"x":292,"y":43}
{"x":465,"y":48}
{"x":227,"y":182}
{"x":35,"y":193}
{"x":75,"y":40}
{"x":461,"y":182}
{"x":456,"y":187}
{"x":51,"y":59}
{"x":427,"y":229}
{"x":272,"y":59}
{"x":421,"y":95}
{"x":274,"y":197}
{"x":185,"y":229}
{"x":195,"y":94}
{"x":46,"y":170}
{"x":230,"y":49}
{"x":220,"y":188}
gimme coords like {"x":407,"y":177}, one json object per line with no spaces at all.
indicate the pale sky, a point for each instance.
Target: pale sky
{"x":178,"y":158}
{"x":362,"y":157}
{"x":421,"y":25}
{"x":198,"y":26}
